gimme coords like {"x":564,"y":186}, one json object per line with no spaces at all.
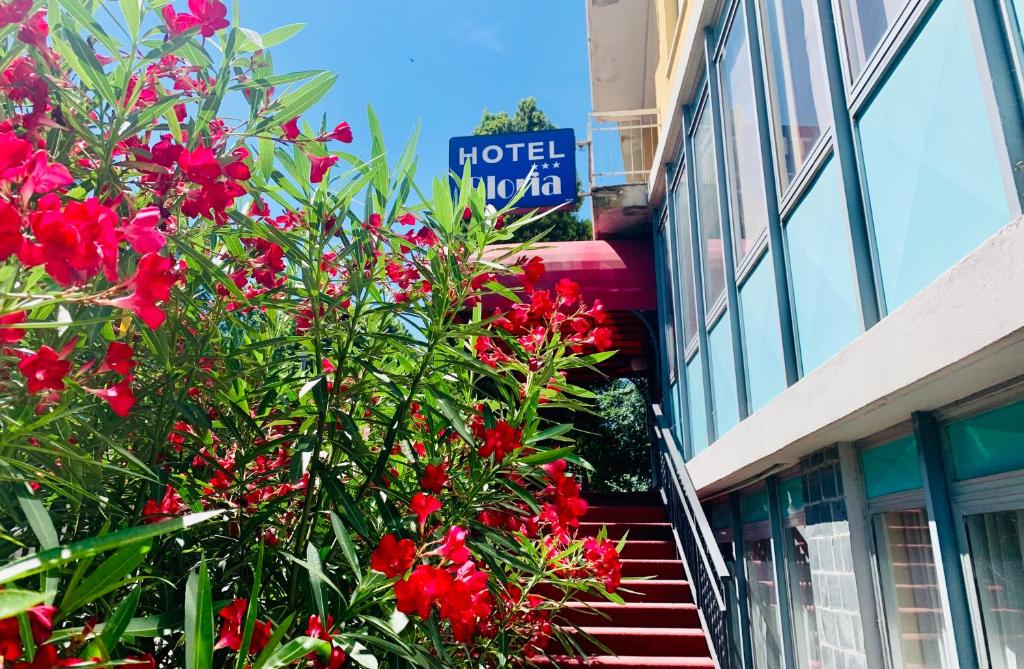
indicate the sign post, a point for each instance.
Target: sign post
{"x":502,"y":164}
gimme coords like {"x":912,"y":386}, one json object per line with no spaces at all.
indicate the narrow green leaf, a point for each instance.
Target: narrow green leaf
{"x":105,"y":578}
{"x":198,"y":620}
{"x":132,"y":10}
{"x":313,"y":559}
{"x":296,"y":102}
{"x":13,"y":602}
{"x":118,"y":622}
{"x":347,"y":547}
{"x":294,"y":650}
{"x":282,"y":34}
{"x":550,"y":433}
{"x":543,"y":457}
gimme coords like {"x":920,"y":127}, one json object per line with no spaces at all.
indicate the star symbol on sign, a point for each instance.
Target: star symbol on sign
{"x":556,"y":165}
{"x":545,"y":166}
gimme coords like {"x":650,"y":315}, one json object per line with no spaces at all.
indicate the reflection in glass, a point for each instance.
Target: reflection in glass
{"x":801,"y":594}
{"x":670,"y":314}
{"x":764,"y":604}
{"x":798,"y":85}
{"x":997,"y":551}
{"x":864,"y":24}
{"x":747,"y":200}
{"x":710,"y":220}
{"x":917,"y":633}
{"x":684,"y":257}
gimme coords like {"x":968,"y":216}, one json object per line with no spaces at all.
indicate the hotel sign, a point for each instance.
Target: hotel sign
{"x":502,"y":164}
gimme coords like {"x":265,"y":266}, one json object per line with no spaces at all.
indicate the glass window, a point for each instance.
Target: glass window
{"x":798,"y":83}
{"x":747,"y":201}
{"x":821,"y":271}
{"x":762,"y":334}
{"x":865,"y":23}
{"x":891,"y":468}
{"x":997,"y":553}
{"x":670,"y":312}
{"x":764,"y":604}
{"x":684,"y":257}
{"x":932,"y":171}
{"x":990,"y":443}
{"x":910,"y":590}
{"x":754,"y":507}
{"x":801,"y":596}
{"x":712,"y":257}
{"x":723,"y":377}
{"x":696,"y":406}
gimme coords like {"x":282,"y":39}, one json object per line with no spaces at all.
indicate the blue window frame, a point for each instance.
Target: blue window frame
{"x":708,"y":215}
{"x":865,"y":23}
{"x":723,"y":377}
{"x":762,"y":335}
{"x":684,"y":258}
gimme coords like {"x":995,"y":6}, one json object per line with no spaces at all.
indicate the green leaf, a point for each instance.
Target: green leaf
{"x":282,"y":34}
{"x":251,"y":611}
{"x":77,"y":9}
{"x":347,"y":548}
{"x":550,"y":433}
{"x":294,"y":650}
{"x":362,"y":656}
{"x":105,"y":578}
{"x":89,"y":69}
{"x":272,"y":643}
{"x":313,"y":559}
{"x":543,"y":457}
{"x":132,"y":10}
{"x":198,"y":620}
{"x":55,"y":557}
{"x":118,"y":622}
{"x":296,"y":102}
{"x":13,"y":602}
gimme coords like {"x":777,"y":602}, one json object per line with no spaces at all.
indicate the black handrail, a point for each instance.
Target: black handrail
{"x":704,"y":562}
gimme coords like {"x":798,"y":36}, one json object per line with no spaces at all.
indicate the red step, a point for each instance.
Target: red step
{"x":633,"y":614}
{"x":644,"y":641}
{"x":626,"y":514}
{"x":661,"y":590}
{"x":643,"y":531}
{"x":669,"y":569}
{"x":629,"y":662}
{"x":649,"y":550}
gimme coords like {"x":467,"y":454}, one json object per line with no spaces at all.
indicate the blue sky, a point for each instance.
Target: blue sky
{"x":436,"y":61}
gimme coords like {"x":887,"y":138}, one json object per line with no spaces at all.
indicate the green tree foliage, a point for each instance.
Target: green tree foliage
{"x":566,"y":226}
{"x":614,"y":439}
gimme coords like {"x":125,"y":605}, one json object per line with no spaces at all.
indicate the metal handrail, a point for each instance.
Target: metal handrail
{"x":704,"y":560}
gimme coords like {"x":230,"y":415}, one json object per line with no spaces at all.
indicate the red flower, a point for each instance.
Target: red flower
{"x":35,"y":30}
{"x":40,"y":622}
{"x":200,"y":164}
{"x":422,"y":589}
{"x":500,"y":440}
{"x":170,"y":505}
{"x":602,"y":338}
{"x":393,"y":557}
{"x":568,"y":290}
{"x":533,"y":270}
{"x":434,"y":477}
{"x":466,"y":602}
{"x":141,"y":232}
{"x":10,"y":230}
{"x":151,"y":284}
{"x":211,"y":14}
{"x":178,"y":23}
{"x":342,"y":132}
{"x":42,"y":176}
{"x":454,"y":546}
{"x":119,"y":359}
{"x":119,"y":396}
{"x":14,"y":11}
{"x":318,"y":166}
{"x":291,"y":129}
{"x":604,"y":560}
{"x":73,"y":244}
{"x":423,"y":505}
{"x":597,"y":312}
{"x":12,"y":335}
{"x":44,"y":370}
{"x":230,"y":634}
{"x":318,"y":630}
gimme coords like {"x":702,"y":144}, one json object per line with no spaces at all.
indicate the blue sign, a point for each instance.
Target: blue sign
{"x":502,"y":164}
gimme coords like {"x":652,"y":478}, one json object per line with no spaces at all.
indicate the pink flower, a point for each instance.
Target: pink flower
{"x":318,"y":166}
{"x":44,"y":370}
{"x":10,"y":231}
{"x":178,"y":23}
{"x":423,"y":505}
{"x":151,"y":284}
{"x":120,"y":358}
{"x":454,"y":546}
{"x":342,"y":132}
{"x":141,"y":232}
{"x":211,"y":14}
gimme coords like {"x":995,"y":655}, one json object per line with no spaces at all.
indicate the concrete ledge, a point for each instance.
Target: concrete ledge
{"x":960,"y":335}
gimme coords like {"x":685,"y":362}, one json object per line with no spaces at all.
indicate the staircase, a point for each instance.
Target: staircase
{"x":658,"y":625}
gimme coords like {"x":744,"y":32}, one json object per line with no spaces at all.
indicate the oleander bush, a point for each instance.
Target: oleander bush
{"x":252,"y":410}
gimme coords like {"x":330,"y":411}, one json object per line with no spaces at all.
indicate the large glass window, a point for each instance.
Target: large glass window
{"x":668,"y":264}
{"x":799,"y":84}
{"x":997,"y":553}
{"x":723,"y":377}
{"x":891,"y":468}
{"x":864,"y":24}
{"x":910,"y":589}
{"x":765,"y":633}
{"x":747,"y":199}
{"x":989,"y":443}
{"x":696,"y":405}
{"x":821,"y":271}
{"x":684,"y":257}
{"x":801,"y":595}
{"x":712,"y":256}
{"x":933,"y":175}
{"x":762,"y":335}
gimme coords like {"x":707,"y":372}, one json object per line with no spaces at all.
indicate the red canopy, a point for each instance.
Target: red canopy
{"x":618,"y":272}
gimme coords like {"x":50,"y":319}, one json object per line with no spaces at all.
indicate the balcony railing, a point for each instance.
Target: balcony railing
{"x":622,"y":146}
